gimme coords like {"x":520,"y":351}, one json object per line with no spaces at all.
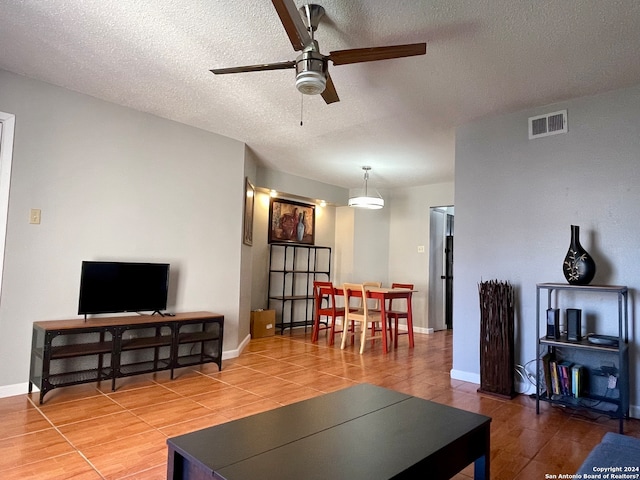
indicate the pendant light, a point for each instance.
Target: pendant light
{"x":369,"y":199}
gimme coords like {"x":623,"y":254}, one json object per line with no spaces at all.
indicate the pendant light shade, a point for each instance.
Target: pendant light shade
{"x":367,"y":198}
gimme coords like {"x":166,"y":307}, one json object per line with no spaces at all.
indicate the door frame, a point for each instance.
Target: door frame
{"x":438,"y":230}
{"x":7,"y":129}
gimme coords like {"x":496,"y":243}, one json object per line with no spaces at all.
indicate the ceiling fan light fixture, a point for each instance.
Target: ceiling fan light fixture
{"x":367,"y":199}
{"x":310,"y":83}
{"x":311,"y":73}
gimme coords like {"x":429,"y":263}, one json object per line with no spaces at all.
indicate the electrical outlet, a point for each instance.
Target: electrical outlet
{"x":34,"y":216}
{"x":420,"y":248}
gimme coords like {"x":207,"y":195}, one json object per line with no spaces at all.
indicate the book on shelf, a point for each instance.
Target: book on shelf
{"x":564,"y":372}
{"x":578,"y":378}
{"x":563,"y":378}
{"x":546,"y":371}
{"x":555,"y":379}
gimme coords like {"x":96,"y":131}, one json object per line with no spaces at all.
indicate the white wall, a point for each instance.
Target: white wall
{"x":371,"y":245}
{"x":409,"y":228}
{"x":113,"y":183}
{"x":516,"y":199}
{"x":345,"y":247}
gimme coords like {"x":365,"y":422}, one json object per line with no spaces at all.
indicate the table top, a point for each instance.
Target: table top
{"x":381,"y":290}
{"x":361,"y":432}
{"x":115,"y":321}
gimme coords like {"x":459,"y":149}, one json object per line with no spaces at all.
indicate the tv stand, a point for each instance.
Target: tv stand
{"x":71,"y":352}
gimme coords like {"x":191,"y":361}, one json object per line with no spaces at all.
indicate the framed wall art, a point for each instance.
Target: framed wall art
{"x":291,"y":222}
{"x":249,"y":195}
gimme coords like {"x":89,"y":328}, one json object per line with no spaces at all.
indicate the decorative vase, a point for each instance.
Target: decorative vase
{"x":301,"y":222}
{"x":578,"y":267}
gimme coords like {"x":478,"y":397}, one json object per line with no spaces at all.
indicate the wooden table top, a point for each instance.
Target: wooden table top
{"x":80,"y":323}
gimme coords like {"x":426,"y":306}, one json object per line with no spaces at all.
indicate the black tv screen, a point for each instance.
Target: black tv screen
{"x":111,"y":287}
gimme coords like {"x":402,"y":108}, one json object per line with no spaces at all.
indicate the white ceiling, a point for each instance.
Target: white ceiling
{"x":398,"y":116}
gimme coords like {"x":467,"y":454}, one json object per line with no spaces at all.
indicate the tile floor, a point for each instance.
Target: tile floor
{"x":90,"y":432}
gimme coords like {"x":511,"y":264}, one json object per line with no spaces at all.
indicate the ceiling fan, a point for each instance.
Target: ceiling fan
{"x":312,"y":73}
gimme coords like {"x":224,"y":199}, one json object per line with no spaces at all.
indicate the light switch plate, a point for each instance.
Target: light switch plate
{"x":34,"y":216}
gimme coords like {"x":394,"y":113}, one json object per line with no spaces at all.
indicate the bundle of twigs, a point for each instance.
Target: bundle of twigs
{"x":496,"y":338}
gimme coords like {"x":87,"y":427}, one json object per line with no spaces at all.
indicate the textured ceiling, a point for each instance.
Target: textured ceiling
{"x":483,"y":57}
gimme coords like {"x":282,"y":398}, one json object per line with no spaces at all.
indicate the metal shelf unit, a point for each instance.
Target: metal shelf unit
{"x":292,"y":270}
{"x":615,"y":400}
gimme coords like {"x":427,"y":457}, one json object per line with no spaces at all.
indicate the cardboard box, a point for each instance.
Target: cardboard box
{"x":263,"y":323}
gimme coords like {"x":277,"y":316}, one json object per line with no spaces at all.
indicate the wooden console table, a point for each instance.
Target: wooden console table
{"x":70,"y":352}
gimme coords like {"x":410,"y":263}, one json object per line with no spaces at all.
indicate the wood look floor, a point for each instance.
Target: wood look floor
{"x":90,"y":432}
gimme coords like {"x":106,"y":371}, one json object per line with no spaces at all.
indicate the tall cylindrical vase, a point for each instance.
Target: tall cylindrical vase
{"x":578,"y":267}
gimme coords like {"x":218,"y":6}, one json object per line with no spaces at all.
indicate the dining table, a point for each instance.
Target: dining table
{"x":385,"y":294}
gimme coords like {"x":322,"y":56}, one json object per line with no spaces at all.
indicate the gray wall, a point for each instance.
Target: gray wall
{"x":113,"y":184}
{"x":516,"y":199}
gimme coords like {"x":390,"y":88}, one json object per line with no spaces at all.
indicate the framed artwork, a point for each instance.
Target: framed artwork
{"x":249,"y":195}
{"x":291,"y":222}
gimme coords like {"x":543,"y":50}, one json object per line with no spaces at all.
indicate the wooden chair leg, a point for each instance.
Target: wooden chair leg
{"x":353,"y":332}
{"x":332,"y":331}
{"x":316,"y":328}
{"x":345,"y":332}
{"x":395,"y":336}
{"x":363,"y":336}
{"x":410,"y":331}
{"x":373,"y":333}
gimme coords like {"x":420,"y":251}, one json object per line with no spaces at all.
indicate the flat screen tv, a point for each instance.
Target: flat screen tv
{"x":111,"y":287}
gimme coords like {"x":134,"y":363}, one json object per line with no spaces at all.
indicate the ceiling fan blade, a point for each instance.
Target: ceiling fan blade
{"x":330,"y":95}
{"x":292,"y":23}
{"x":358,"y":55}
{"x":255,"y":68}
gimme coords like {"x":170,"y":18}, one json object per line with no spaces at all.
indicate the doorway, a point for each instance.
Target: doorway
{"x":441,"y":229}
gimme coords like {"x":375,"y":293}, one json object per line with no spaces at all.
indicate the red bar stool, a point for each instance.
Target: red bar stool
{"x":394,"y":315}
{"x":324,"y":292}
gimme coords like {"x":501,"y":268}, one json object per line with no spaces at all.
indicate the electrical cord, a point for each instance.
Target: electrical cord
{"x":525,"y":375}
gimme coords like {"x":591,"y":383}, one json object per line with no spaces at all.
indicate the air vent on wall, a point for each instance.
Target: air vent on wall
{"x":548,"y":124}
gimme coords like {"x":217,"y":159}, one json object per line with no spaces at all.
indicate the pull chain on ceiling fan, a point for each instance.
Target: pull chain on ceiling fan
{"x":312,"y":72}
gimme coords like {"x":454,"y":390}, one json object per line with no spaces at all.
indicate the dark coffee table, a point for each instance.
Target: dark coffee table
{"x":362,"y":432}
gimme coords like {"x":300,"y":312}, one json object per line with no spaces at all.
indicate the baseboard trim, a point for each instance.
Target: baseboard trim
{"x":17,"y":389}
{"x":227,"y":354}
{"x":465,"y":376}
